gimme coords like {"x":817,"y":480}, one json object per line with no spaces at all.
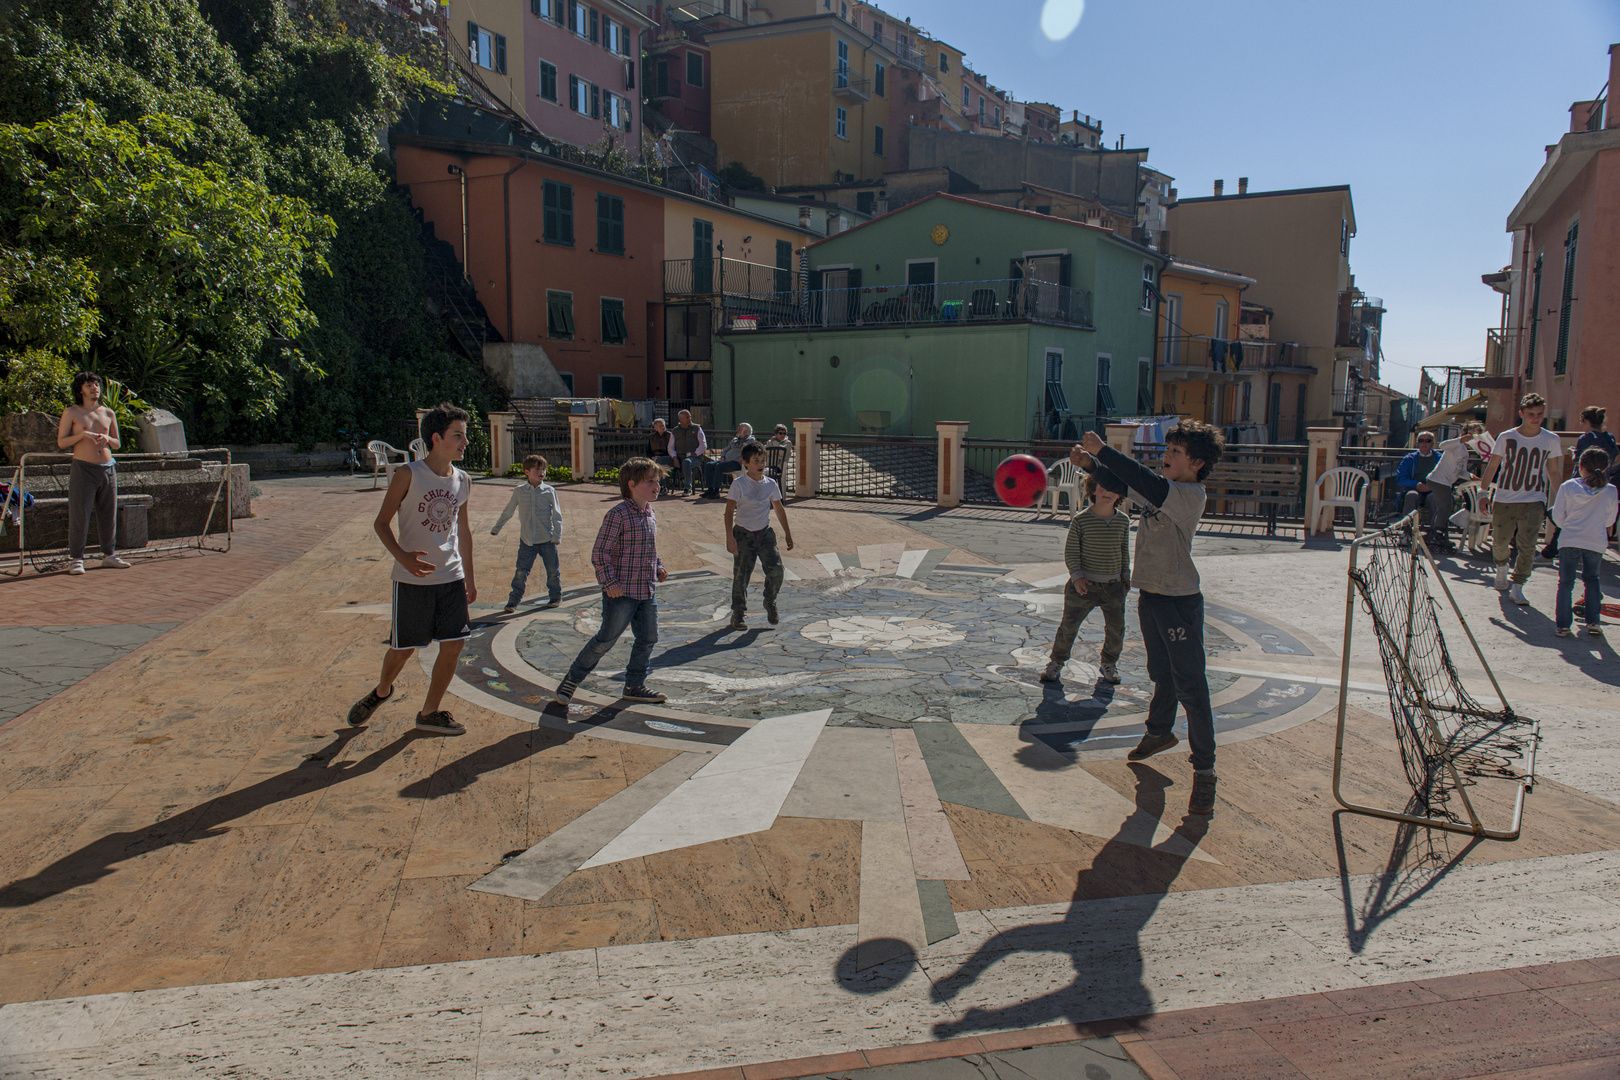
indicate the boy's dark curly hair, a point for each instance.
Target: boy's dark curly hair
{"x":1201,"y":441}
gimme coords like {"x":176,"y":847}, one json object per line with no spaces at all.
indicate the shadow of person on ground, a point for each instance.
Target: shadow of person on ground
{"x":1056,"y":708}
{"x":98,"y":858}
{"x":463,"y":772}
{"x":1101,"y":931}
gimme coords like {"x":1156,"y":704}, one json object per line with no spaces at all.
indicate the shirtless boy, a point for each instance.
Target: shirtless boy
{"x":90,"y":429}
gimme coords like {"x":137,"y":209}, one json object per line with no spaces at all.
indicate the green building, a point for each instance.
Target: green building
{"x":1022,"y":324}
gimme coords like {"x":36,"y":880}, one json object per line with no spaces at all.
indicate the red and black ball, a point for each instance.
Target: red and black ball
{"x":1020,"y":480}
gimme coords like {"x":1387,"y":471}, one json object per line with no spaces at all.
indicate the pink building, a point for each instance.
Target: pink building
{"x":1561,"y":333}
{"x":582,"y":72}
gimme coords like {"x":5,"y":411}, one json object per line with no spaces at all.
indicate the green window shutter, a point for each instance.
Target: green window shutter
{"x":1535,"y":322}
{"x":568,"y":315}
{"x":500,"y":53}
{"x":1566,"y":306}
{"x":565,"y":213}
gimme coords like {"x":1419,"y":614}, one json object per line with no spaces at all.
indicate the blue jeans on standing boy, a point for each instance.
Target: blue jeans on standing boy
{"x":1570,"y":562}
{"x":525,"y":562}
{"x":1173,"y":637}
{"x":619,"y":612}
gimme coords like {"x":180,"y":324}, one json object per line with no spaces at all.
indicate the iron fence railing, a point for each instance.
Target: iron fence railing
{"x":981,"y":457}
{"x":1228,"y":502}
{"x":398,"y":433}
{"x":550,"y":441}
{"x":1380,"y":463}
{"x":1229,"y":354}
{"x":880,"y":466}
{"x":615,"y":446}
{"x":698,"y":277}
{"x":942,"y":303}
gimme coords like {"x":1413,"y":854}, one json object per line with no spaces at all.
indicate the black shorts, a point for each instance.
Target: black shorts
{"x":427,"y":613}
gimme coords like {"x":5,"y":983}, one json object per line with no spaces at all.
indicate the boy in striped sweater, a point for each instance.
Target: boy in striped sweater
{"x":1098,"y":556}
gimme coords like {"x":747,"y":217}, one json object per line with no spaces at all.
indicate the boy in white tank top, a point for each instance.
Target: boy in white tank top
{"x":433,"y":567}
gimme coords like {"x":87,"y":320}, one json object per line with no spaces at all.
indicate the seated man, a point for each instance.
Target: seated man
{"x":1413,"y":475}
{"x":689,"y":447}
{"x":730,"y":461}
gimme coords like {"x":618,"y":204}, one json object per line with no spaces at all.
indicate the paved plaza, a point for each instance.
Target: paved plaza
{"x":867,"y":841}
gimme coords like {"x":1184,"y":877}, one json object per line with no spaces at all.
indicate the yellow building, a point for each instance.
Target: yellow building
{"x":487,"y":41}
{"x":795,"y":100}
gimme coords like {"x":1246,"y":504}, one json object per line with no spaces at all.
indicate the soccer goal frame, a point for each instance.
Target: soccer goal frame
{"x":1427,"y":719}
{"x":213,"y":458}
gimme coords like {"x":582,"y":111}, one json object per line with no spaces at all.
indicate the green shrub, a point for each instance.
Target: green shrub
{"x":606,"y":476}
{"x":560,"y":474}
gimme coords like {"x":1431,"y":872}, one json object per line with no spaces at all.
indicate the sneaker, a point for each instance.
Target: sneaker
{"x":644,"y":693}
{"x":1516,"y":594}
{"x":552,"y":603}
{"x":440,"y":723}
{"x":1150,"y":745}
{"x":113,"y":562}
{"x":1053,"y":672}
{"x":361,"y":711}
{"x":565,"y":692}
{"x":508,"y":609}
{"x":738,"y":622}
{"x":1545,"y":560}
{"x":1501,"y":577}
{"x":1203,"y":796}
{"x":1110,"y":673}
{"x":770,"y":614}
{"x":1564,"y":631}
{"x":1594,"y":629}
{"x":75,"y":566}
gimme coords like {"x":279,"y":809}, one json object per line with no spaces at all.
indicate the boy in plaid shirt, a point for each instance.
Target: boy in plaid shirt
{"x":625,"y":558}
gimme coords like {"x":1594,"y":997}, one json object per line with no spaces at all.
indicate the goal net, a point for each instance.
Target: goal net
{"x":1449,"y":741}
{"x":167,"y":503}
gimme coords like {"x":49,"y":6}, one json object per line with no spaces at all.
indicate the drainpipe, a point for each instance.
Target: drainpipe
{"x":733,"y":350}
{"x":506,"y":211}
{"x":466,"y":256}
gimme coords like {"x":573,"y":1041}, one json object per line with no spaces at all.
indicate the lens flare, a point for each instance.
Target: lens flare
{"x":1060,"y":17}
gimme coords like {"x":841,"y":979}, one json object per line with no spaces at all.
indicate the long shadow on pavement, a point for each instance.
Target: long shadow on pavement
{"x":1101,"y":931}
{"x":98,"y":858}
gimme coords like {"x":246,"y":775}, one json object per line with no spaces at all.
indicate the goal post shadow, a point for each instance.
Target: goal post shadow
{"x":1448,"y":741}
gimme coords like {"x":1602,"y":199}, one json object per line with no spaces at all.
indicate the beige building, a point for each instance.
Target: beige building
{"x":1296,"y":246}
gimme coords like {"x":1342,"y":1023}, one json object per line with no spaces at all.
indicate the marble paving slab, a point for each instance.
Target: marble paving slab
{"x":891,"y":919}
{"x":738,"y":791}
{"x":851,"y":776}
{"x":934,"y":852}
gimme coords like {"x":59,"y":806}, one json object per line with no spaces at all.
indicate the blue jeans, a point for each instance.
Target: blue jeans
{"x":618,"y":612}
{"x":1571,"y":561}
{"x":525,"y":562}
{"x":690,"y":467}
{"x":714,"y":470}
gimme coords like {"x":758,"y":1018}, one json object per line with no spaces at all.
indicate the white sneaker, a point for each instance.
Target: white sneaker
{"x":1501,"y":577}
{"x":1516,"y":594}
{"x":75,"y":566}
{"x":1595,"y":629}
{"x":113,"y":562}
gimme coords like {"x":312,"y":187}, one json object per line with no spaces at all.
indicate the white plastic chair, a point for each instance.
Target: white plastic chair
{"x":1061,"y":477}
{"x":419,"y":450}
{"x":1338,"y":487}
{"x":1465,"y":498}
{"x":382,"y":460}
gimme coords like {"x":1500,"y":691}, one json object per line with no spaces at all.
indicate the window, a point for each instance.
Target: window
{"x":1344,"y":237}
{"x":610,"y":225}
{"x":1219,"y":328}
{"x":559,"y":315}
{"x":1056,"y":401}
{"x":866,"y":201}
{"x":842,"y":78}
{"x":877,"y":31}
{"x":964,"y":99}
{"x":784,"y":266}
{"x":1561,"y":358}
{"x":612,"y":386}
{"x":615,"y":37}
{"x":1148,"y":287}
{"x":694,"y":69}
{"x":944,"y":61}
{"x":614,"y":331}
{"x":998,"y":115}
{"x":618,"y":110}
{"x":878,"y":72}
{"x":903,"y":44}
{"x":558,"y":213}
{"x":487,"y":50}
{"x":567,"y":378}
{"x":1248,"y":389}
{"x":1105,"y":389}
{"x":841,"y":129}
{"x":548,"y":81}
{"x":584,"y":97}
{"x":877,"y":139}
{"x":544,"y":9}
{"x":579,"y":18}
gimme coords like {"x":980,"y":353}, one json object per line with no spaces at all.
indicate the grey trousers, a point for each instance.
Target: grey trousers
{"x":91,"y":489}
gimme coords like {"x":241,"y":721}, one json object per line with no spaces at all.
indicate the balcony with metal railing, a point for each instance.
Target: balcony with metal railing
{"x":1200,"y":354}
{"x":945,"y":303}
{"x":725,"y":277}
{"x":1500,"y":348}
{"x":851,"y":84}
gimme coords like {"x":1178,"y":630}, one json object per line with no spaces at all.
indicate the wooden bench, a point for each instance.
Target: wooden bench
{"x":1272,"y":484}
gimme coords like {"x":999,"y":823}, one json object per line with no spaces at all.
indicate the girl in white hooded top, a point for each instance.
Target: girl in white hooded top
{"x":1585,"y":506}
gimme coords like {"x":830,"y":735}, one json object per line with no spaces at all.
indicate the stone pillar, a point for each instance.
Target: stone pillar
{"x":806,"y":456}
{"x":420,"y":413}
{"x":582,"y":444}
{"x":1122,"y":437}
{"x":1322,"y":455}
{"x":951,"y":434}
{"x":500,"y":441}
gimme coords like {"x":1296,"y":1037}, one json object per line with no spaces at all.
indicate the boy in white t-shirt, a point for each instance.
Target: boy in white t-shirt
{"x":1522,"y":461}
{"x":749,"y":535}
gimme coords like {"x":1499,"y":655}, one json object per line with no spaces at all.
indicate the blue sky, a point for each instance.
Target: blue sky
{"x":1435,"y":112}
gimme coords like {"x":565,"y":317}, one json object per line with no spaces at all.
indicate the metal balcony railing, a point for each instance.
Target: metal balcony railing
{"x":851,"y":83}
{"x":725,"y":277}
{"x":941,"y":304}
{"x":1500,"y":347}
{"x":1229,"y":355}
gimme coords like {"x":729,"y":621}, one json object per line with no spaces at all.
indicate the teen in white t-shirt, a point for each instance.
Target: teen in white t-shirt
{"x":1521,"y":465}
{"x":749,"y":535}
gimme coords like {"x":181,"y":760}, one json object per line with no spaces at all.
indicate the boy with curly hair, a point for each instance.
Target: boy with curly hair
{"x":1170,"y":605}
